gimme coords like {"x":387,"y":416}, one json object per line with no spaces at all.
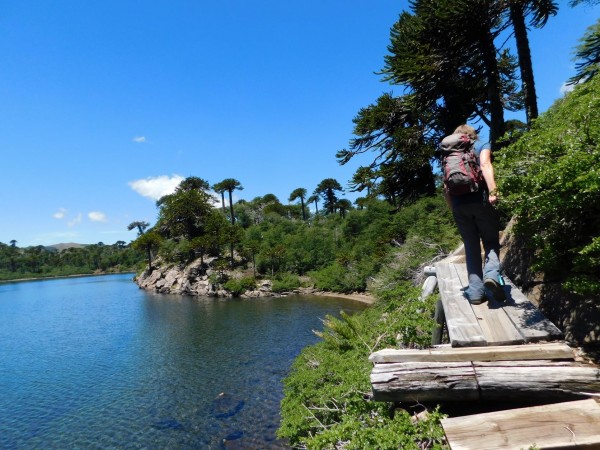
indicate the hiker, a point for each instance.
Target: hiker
{"x":470,"y":190}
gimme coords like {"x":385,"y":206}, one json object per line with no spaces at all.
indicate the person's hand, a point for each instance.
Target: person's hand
{"x":493,"y":199}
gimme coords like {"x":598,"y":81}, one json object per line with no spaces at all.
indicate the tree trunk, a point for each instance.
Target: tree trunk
{"x":494,"y":92}
{"x":528,"y":85}
{"x":231,"y":207}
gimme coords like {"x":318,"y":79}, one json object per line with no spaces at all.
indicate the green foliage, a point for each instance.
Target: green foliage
{"x":326,"y":402}
{"x":588,"y":55}
{"x":285,"y":282}
{"x":239,"y":286}
{"x":40,"y":262}
{"x":339,"y":278}
{"x":550,"y":180}
{"x":184,"y":213}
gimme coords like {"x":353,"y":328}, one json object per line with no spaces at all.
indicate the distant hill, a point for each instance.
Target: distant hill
{"x":64,"y":246}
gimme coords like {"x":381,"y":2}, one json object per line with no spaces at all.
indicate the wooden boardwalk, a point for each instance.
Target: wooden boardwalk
{"x":498,"y":352}
{"x":515,"y":321}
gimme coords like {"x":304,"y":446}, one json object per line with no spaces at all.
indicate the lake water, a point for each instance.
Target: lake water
{"x":95,"y":362}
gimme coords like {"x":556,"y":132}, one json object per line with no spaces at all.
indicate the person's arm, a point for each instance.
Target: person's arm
{"x":485,"y":161}
{"x":447,"y":197}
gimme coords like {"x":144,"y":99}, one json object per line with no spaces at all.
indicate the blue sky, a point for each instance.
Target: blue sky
{"x":105,"y":106}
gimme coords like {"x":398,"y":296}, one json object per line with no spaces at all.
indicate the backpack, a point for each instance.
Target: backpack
{"x":461,"y":172}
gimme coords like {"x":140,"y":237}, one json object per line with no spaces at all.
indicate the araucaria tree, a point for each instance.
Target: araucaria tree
{"x":588,"y":55}
{"x":184,"y":213}
{"x":327,"y":191}
{"x":299,"y":193}
{"x":230,"y":185}
{"x":538,"y":11}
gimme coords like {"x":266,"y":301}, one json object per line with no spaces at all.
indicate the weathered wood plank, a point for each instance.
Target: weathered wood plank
{"x":563,"y":425}
{"x":497,"y":327}
{"x":551,"y":350}
{"x":463,"y":326}
{"x":422,"y":382}
{"x":536,"y":379}
{"x":505,"y":380}
{"x":532,"y":324}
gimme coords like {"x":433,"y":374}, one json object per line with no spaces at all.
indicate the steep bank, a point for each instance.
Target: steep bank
{"x":199,"y":279}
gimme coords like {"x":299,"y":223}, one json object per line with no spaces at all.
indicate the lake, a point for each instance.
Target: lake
{"x":95,"y":362}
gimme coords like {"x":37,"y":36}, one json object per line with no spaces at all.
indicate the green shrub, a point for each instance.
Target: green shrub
{"x":326,"y":403}
{"x":550,"y":180}
{"x":239,"y":286}
{"x":285,"y":282}
{"x":338,"y":278}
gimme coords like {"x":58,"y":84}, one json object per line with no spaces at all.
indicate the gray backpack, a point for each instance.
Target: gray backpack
{"x":461,"y":172}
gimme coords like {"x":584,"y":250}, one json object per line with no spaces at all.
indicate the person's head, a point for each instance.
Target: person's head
{"x":468,"y":130}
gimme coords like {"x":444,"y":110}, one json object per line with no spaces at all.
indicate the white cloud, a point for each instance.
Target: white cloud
{"x":566,"y":88}
{"x":156,"y":187}
{"x":139,"y":139}
{"x":97,"y":216}
{"x":60,"y":214}
{"x":76,"y":220}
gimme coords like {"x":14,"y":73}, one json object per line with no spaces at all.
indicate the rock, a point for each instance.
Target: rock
{"x":225,"y":406}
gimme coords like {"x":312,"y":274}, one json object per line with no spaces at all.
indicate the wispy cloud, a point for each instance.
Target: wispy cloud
{"x":97,"y":216}
{"x":566,"y":88}
{"x":156,"y":187}
{"x":139,"y":139}
{"x":75,"y":220}
{"x":60,"y":214}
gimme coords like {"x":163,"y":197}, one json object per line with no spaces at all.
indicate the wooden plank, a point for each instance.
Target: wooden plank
{"x":551,"y":350}
{"x":532,"y":324}
{"x":463,"y":326}
{"x":424,"y":382}
{"x":517,"y":380}
{"x":497,"y":327}
{"x":562,"y":425}
{"x":500,"y":380}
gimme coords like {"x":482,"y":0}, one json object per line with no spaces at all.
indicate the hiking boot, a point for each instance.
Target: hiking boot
{"x":475,"y":300}
{"x":496,"y":289}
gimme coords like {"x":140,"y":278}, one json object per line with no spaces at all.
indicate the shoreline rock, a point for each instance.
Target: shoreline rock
{"x":195,"y":279}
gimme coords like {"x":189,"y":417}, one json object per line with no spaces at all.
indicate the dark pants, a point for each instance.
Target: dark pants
{"x":478,"y":223}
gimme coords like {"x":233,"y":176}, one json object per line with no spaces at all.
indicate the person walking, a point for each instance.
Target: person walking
{"x":473,"y":208}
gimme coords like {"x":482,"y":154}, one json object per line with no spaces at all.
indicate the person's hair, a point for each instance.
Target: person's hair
{"x":468,"y":130}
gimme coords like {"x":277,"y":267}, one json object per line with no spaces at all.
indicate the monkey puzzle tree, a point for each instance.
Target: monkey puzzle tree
{"x":326,"y":189}
{"x":230,"y":185}
{"x":184,"y":213}
{"x":539,"y":11}
{"x":588,"y":55}
{"x":148,"y":242}
{"x":299,"y":193}
{"x":140,"y":225}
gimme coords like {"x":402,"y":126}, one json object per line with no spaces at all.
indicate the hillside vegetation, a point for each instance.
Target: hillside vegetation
{"x":550,"y":183}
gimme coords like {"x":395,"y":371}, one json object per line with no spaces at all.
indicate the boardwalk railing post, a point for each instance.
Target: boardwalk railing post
{"x":440,"y":320}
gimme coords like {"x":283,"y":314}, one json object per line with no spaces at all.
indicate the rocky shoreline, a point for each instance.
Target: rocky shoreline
{"x":195,"y":279}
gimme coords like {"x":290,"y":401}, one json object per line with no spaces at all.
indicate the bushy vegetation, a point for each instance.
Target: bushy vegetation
{"x":326,"y":402}
{"x":550,"y":180}
{"x":40,"y":261}
{"x":327,"y":394}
